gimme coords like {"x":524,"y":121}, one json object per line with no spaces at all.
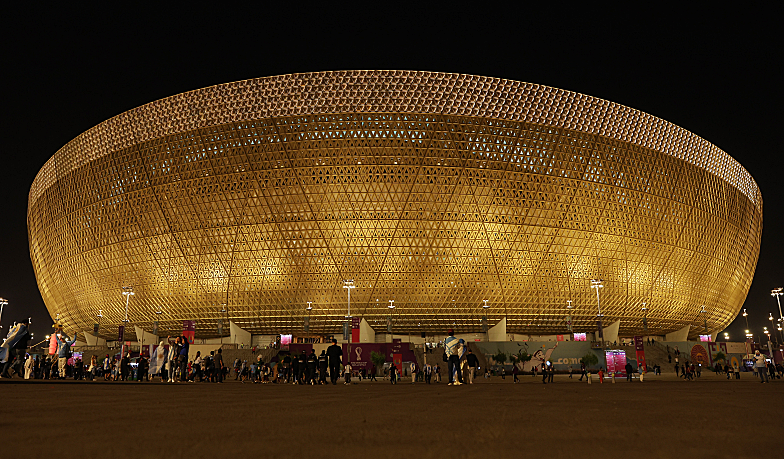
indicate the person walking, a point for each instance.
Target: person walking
{"x":347,"y":373}
{"x":514,"y":373}
{"x":183,"y":359}
{"x":63,"y":352}
{"x":629,"y":371}
{"x":582,"y":370}
{"x":473,"y":363}
{"x":311,"y":364}
{"x":197,"y":363}
{"x":28,"y":367}
{"x":412,"y":367}
{"x":335,"y":355}
{"x":544,"y":373}
{"x":761,"y":366}
{"x":219,"y":366}
{"x":452,"y":351}
{"x":322,"y":366}
{"x":393,"y":374}
{"x":428,"y":373}
{"x":550,"y":371}
{"x":570,"y":372}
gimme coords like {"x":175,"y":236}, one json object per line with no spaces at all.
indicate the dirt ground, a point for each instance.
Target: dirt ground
{"x":664,"y":417}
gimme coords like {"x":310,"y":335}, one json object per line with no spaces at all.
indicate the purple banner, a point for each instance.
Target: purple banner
{"x":189,"y":330}
{"x":121,"y":333}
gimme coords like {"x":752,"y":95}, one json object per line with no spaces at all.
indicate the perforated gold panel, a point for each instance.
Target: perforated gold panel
{"x":435,"y":190}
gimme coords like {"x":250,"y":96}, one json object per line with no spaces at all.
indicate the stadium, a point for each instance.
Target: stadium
{"x":451,"y":201}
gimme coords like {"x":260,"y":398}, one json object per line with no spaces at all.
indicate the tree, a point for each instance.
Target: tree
{"x":378,"y":360}
{"x":719,"y":357}
{"x":501,"y":357}
{"x":589,"y":359}
{"x":521,"y":357}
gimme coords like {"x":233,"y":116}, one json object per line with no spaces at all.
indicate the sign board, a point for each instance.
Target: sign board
{"x":640,"y":351}
{"x":189,"y":330}
{"x":121,"y":333}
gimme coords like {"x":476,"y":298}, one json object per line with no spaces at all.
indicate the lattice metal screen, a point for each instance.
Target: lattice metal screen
{"x":436,"y":211}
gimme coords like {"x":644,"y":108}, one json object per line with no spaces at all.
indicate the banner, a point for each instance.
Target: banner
{"x":389,"y":324}
{"x":189,"y":330}
{"x":397,"y":360}
{"x":346,"y":330}
{"x":307,"y":324}
{"x":601,"y":331}
{"x":155,"y":328}
{"x":569,"y":323}
{"x":220,"y":326}
{"x":121,"y":333}
{"x":95,"y":329}
{"x":640,"y":349}
{"x":484,"y":324}
{"x":355,"y":329}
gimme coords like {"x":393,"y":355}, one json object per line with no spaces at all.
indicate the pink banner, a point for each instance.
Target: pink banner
{"x":640,"y":350}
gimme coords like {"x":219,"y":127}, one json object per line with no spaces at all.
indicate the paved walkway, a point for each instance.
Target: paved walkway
{"x":663,"y":417}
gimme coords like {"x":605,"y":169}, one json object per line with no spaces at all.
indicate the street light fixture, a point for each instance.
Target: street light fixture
{"x":127,"y":293}
{"x":777,"y":292}
{"x":485,"y":306}
{"x":391,"y":304}
{"x":726,"y":336}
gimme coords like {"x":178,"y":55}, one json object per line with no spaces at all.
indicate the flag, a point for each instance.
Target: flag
{"x":155,"y":328}
{"x":157,"y":358}
{"x":189,"y":330}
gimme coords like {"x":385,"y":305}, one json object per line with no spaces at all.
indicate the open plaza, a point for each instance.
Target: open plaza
{"x":662,"y":417}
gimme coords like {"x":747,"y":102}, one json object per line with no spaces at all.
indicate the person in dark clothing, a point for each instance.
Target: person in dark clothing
{"x":335,"y":354}
{"x":302,"y":362}
{"x":322,"y":366}
{"x":218,"y":363}
{"x":473,"y":363}
{"x":286,"y":367}
{"x":125,"y":367}
{"x":311,"y":367}
{"x":183,"y":359}
{"x":514,"y":372}
{"x":294,"y":369}
{"x":629,"y":371}
{"x":550,"y":371}
{"x":141,"y":372}
{"x":582,"y":371}
{"x":544,"y":373}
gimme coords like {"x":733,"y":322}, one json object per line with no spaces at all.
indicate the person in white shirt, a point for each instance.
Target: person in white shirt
{"x":452,"y":350}
{"x":761,"y":366}
{"x":347,"y":373}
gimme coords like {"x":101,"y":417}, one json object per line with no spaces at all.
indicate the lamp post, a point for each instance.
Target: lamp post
{"x":645,"y":317}
{"x":777,"y":292}
{"x":348,"y":285}
{"x":224,"y":310}
{"x":704,"y":318}
{"x":307,"y":319}
{"x":127,"y":292}
{"x":597,"y":284}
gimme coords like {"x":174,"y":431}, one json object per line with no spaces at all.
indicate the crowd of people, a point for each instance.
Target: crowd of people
{"x":173,"y":365}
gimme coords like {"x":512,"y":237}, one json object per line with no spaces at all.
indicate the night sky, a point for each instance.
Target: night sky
{"x":716,"y":74}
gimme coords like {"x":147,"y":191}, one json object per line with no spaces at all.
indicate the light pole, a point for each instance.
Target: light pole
{"x":704,"y":318}
{"x":127,"y":292}
{"x":223,"y":310}
{"x":3,"y":302}
{"x":777,"y":292}
{"x":597,"y":284}
{"x":645,"y":317}
{"x":307,"y":319}
{"x":348,"y":285}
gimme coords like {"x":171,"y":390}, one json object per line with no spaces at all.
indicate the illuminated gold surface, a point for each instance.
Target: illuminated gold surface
{"x":435,"y":190}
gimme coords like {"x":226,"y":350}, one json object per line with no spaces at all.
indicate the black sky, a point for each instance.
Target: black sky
{"x":716,"y":73}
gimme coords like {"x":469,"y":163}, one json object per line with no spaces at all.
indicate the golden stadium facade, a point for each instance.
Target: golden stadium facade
{"x":435,"y":190}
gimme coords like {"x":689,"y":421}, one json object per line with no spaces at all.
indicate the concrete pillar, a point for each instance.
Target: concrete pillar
{"x":611,"y":331}
{"x":366,"y":332}
{"x":498,"y":331}
{"x":678,"y":335}
{"x":238,"y":335}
